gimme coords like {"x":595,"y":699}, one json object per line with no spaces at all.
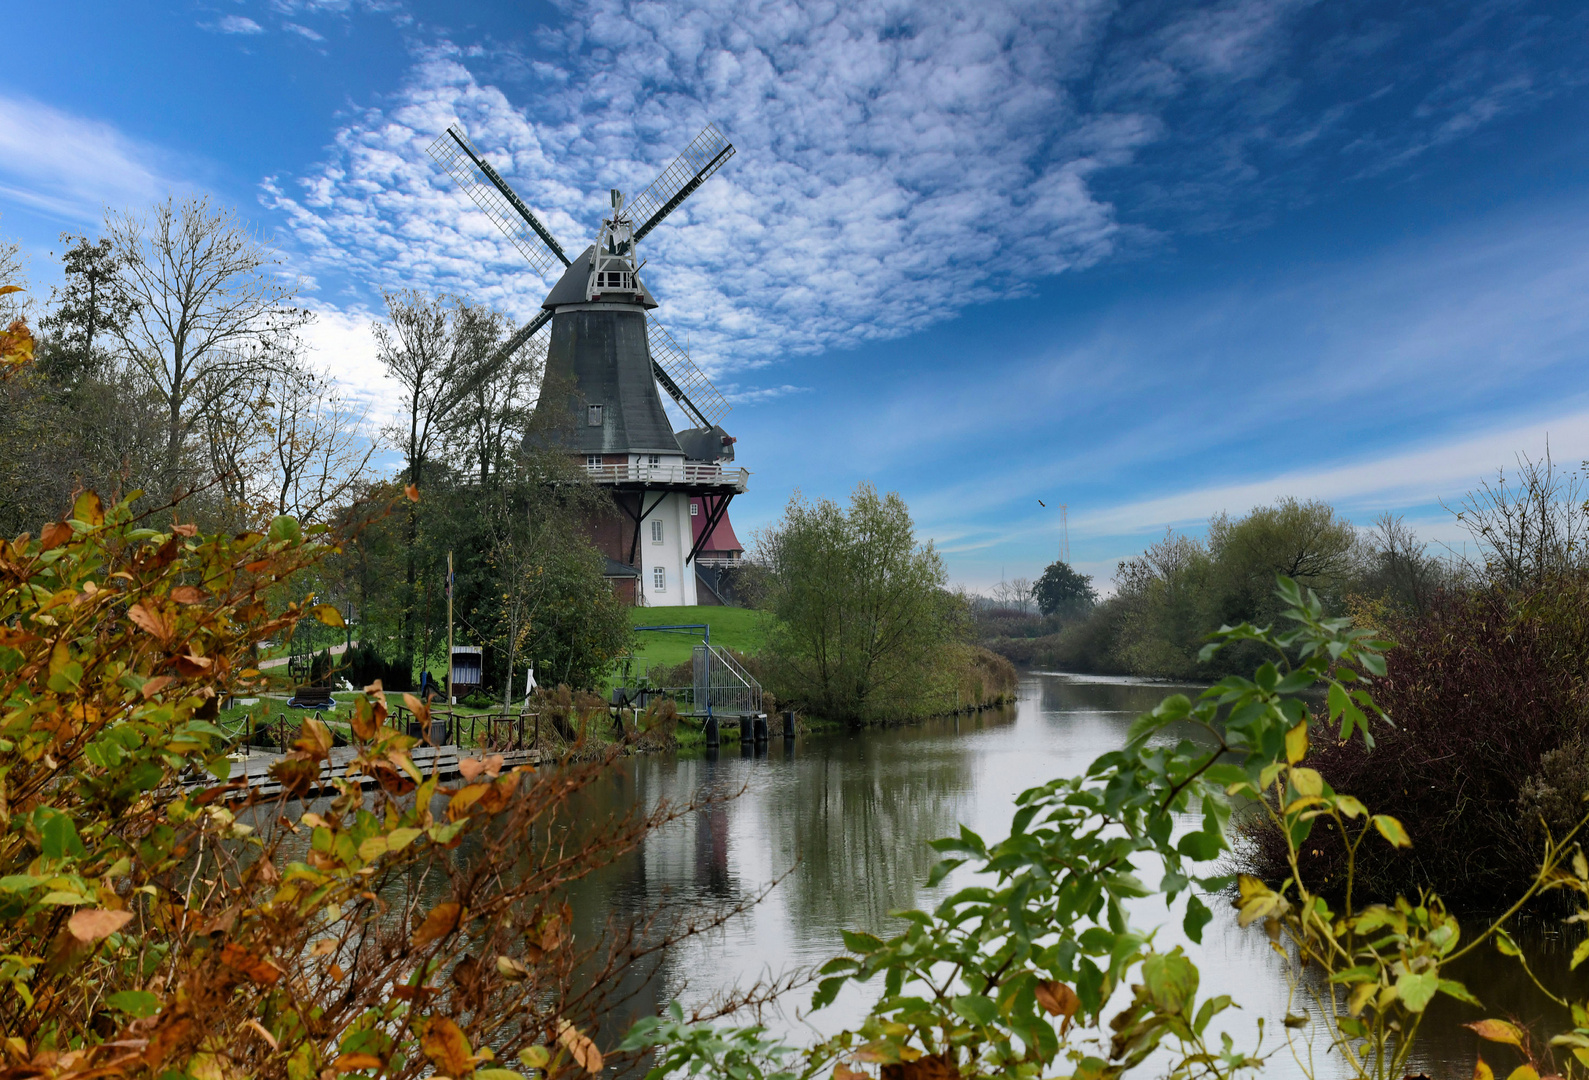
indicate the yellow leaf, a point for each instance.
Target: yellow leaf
{"x":1523,"y":1072}
{"x":372,"y":848}
{"x":1481,"y":1071}
{"x":1392,"y":830}
{"x":327,"y":614}
{"x":1308,"y":782}
{"x":579,"y":1047}
{"x":447,"y":1047}
{"x":398,"y":839}
{"x":1297,"y":743}
{"x":1360,"y":995}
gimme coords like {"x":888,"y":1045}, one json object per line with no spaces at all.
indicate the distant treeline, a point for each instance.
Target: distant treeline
{"x":1169,"y":598}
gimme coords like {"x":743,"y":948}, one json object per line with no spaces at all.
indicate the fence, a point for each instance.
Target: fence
{"x":723,"y":684}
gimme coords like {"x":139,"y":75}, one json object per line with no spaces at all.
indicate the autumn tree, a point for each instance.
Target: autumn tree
{"x":438,"y":349}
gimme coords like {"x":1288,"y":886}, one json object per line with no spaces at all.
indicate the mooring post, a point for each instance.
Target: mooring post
{"x":712,"y":740}
{"x":788,"y":725}
{"x":760,"y":728}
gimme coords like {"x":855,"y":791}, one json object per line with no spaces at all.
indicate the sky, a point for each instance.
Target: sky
{"x":1144,"y":261}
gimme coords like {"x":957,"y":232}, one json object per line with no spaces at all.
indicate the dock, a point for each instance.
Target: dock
{"x":253,"y":768}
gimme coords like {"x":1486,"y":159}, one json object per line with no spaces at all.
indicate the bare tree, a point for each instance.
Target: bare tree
{"x":491,"y":423}
{"x":13,"y":271}
{"x":1528,"y":529}
{"x":208,"y":303}
{"x":319,"y":450}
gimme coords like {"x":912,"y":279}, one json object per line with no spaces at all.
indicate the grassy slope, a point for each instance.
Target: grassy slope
{"x":737,"y":628}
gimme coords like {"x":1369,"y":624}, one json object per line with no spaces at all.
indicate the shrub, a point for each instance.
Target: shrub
{"x":363,"y":665}
{"x":1487,"y":693}
{"x":156,"y":920}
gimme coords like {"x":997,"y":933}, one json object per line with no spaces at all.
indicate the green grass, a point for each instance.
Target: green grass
{"x":740,"y":629}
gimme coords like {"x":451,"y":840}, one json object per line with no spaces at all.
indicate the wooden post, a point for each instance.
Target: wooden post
{"x":449,"y":629}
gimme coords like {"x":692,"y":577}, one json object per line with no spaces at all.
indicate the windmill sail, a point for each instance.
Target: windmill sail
{"x":684,"y":382}
{"x":453,"y":151}
{"x":688,"y":171}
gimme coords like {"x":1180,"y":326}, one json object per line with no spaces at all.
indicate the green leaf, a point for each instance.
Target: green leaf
{"x":1197,"y":917}
{"x":1416,"y":990}
{"x":862,"y":943}
{"x":976,"y":1009}
{"x":1452,"y":988}
{"x":57,"y":835}
{"x":285,"y":528}
{"x":137,"y":1003}
{"x":827,"y":990}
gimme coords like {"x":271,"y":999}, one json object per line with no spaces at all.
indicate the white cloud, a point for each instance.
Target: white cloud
{"x":1418,"y":476}
{"x":303,"y":31}
{"x":891,"y":167}
{"x":342,"y":344}
{"x":71,"y":166}
{"x":237,"y":24}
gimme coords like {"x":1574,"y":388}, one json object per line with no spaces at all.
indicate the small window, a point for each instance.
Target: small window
{"x":659,"y":579}
{"x":656,"y":532}
{"x":592,"y":461}
{"x":653,"y":459}
{"x":695,"y":509}
{"x":593,"y":415}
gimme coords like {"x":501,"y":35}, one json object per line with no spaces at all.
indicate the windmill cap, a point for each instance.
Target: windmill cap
{"x":570,"y":288}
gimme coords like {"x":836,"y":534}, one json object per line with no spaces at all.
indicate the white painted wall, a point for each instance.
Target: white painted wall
{"x":674,"y":516}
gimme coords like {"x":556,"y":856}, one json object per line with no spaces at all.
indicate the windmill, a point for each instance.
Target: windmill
{"x":606,"y":356}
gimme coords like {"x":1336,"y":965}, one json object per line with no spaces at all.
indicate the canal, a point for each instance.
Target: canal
{"x":840,"y":822}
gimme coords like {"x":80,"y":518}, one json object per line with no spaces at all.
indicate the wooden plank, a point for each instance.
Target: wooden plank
{"x":442,"y":761}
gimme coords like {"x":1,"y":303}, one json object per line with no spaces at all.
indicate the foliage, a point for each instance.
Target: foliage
{"x":861,"y":607}
{"x":1486,"y":692}
{"x":1063,"y":592}
{"x":157,"y":920}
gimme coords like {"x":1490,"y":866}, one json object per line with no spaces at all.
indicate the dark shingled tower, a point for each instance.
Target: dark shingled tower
{"x":605,"y":358}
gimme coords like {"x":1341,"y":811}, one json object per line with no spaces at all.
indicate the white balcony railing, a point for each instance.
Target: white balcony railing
{"x":695,"y":473}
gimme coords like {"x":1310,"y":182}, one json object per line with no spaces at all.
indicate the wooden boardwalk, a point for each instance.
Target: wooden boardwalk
{"x":253,"y":768}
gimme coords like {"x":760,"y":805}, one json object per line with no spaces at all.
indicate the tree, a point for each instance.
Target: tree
{"x":438,"y":349}
{"x":207,"y":304}
{"x":861,"y":607}
{"x":88,"y":314}
{"x":1062,"y":592}
{"x":1017,"y":594}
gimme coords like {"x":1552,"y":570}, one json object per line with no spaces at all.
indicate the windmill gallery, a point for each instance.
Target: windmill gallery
{"x":668,"y":539}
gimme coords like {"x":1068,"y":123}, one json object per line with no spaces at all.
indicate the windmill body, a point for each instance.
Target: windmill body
{"x":607,"y":362}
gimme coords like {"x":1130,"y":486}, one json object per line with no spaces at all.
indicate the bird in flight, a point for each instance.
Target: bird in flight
{"x":1043,"y":504}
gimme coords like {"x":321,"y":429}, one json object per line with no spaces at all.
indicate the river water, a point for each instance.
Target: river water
{"x":841,"y":820}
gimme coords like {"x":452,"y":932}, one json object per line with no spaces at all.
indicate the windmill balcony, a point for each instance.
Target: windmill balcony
{"x":690,"y":476}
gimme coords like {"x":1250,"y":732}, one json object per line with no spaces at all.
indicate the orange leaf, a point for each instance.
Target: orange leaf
{"x":153,"y":686}
{"x":1057,"y":999}
{"x":362,"y":722}
{"x":148,"y":621}
{"x":842,"y":1071}
{"x":471,"y":767}
{"x":580,"y":1047}
{"x":354,"y":1062}
{"x":1496,"y":1031}
{"x":96,"y":923}
{"x":187,"y":594}
{"x":441,"y":921}
{"x":412,"y":492}
{"x":54,"y":535}
{"x":447,"y":1047}
{"x":185,"y":530}
{"x":256,"y":969}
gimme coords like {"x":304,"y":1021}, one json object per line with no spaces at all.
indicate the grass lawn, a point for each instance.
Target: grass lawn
{"x":740,"y":629}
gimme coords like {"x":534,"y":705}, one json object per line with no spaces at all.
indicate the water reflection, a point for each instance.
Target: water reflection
{"x":847,"y":817}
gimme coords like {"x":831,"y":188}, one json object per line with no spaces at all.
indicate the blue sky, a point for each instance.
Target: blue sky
{"x":1147,"y":260}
